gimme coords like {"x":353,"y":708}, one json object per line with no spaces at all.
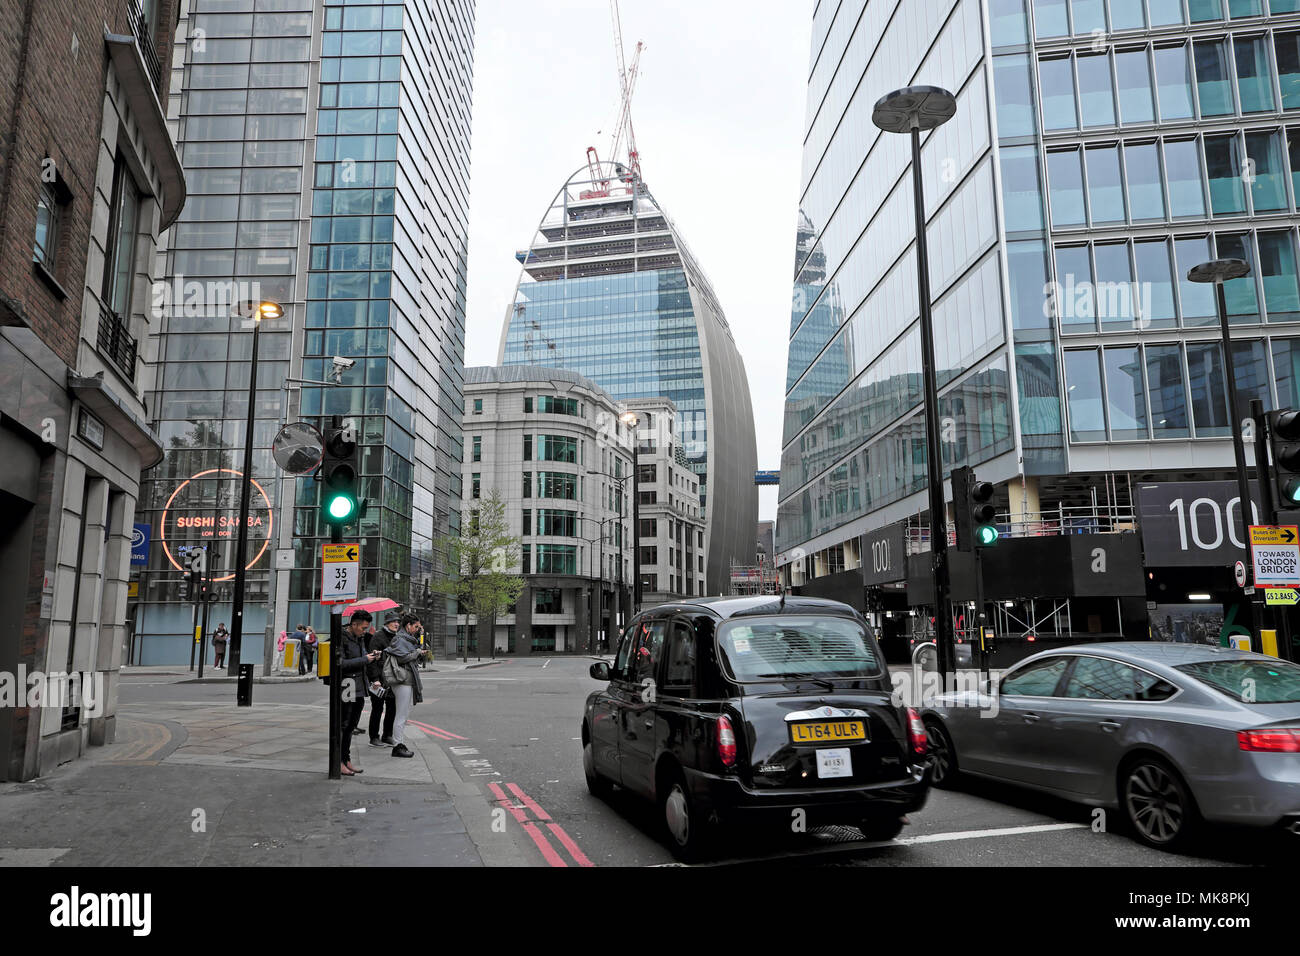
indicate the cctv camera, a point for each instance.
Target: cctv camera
{"x":343,"y":364}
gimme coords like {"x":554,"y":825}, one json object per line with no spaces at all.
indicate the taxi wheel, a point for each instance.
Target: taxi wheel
{"x":943,"y":757}
{"x":880,"y":829}
{"x":688,"y":833}
{"x":596,"y":784}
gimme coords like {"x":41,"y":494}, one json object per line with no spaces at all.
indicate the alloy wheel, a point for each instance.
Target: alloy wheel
{"x":677,"y":816}
{"x":1155,"y":802}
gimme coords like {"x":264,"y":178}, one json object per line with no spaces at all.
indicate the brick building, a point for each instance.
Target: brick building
{"x":89,"y":177}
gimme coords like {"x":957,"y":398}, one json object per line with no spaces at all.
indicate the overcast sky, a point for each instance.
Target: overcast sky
{"x":718,"y":113}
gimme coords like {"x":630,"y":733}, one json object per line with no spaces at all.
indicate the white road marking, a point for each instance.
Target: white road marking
{"x":1000,"y":831}
{"x":546,"y":665}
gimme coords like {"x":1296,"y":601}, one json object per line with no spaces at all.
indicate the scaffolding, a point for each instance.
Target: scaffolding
{"x":754,"y":579}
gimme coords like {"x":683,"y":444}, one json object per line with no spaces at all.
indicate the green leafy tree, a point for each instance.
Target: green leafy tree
{"x":481,"y":556}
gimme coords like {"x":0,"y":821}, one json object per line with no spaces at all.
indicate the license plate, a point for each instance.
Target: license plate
{"x":834,"y":762}
{"x":828,"y":732}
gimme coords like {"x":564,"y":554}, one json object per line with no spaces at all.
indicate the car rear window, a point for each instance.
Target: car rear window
{"x":1250,"y":681}
{"x":776,"y":648}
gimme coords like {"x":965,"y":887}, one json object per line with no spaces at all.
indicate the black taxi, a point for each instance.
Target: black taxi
{"x":777,"y":710}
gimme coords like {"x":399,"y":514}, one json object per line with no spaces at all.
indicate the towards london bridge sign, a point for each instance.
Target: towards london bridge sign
{"x":186,"y":524}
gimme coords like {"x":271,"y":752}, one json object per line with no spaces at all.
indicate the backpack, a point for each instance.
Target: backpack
{"x":394,"y":673}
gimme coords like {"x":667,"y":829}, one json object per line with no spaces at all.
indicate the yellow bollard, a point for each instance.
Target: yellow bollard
{"x":323,"y":659}
{"x":1268,"y":643}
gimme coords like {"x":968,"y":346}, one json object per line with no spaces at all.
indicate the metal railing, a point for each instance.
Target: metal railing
{"x":1084,"y":519}
{"x":116,"y":343}
{"x":143,"y":31}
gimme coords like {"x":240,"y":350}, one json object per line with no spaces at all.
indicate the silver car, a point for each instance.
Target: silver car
{"x":1169,"y":734}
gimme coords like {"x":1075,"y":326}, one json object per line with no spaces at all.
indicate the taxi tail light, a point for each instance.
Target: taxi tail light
{"x":726,"y":742}
{"x":1285,"y":740}
{"x":916,"y":732}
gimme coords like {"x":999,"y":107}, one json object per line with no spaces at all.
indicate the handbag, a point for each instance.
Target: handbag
{"x":393,"y":673}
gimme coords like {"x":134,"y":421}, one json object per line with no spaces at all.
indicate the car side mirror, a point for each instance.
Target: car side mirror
{"x":600,"y":670}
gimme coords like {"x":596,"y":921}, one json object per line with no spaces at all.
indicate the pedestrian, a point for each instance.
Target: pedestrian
{"x":383,"y":705}
{"x":403,"y":678}
{"x":352,"y":673}
{"x":307,"y":662}
{"x":219,"y":639}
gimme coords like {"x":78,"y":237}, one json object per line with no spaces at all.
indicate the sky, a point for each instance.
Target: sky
{"x":718,"y":113}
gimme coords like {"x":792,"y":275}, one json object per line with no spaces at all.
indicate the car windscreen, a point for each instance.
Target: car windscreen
{"x":792,"y":647}
{"x":1249,"y":681}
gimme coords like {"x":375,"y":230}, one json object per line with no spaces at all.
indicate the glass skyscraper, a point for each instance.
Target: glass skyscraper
{"x":1099,"y":150}
{"x":326,"y":147}
{"x":608,"y":289}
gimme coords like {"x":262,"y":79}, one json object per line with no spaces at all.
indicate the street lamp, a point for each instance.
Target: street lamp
{"x":912,"y":110}
{"x":1220,"y":271}
{"x":598,"y":562}
{"x":255,"y":312}
{"x":631,"y":420}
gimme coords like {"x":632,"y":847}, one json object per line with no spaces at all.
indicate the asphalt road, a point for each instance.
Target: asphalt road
{"x":513,"y":730}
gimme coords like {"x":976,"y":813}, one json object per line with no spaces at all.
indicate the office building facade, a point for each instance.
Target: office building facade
{"x":91,"y":180}
{"x":609,"y":289}
{"x":328,"y":148}
{"x":1099,"y":150}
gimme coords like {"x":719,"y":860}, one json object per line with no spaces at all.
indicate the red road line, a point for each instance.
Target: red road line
{"x":432,"y":733}
{"x":528,"y":801}
{"x":530,"y":827}
{"x":579,"y":857}
{"x":448,"y":734}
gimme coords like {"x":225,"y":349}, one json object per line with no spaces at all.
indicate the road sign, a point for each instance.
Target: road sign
{"x":1275,"y":552}
{"x":1281,"y":597}
{"x":340,"y":566}
{"x":1239,"y":570}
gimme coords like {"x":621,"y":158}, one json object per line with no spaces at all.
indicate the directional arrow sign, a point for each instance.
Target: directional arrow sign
{"x":1275,"y":554}
{"x":1281,"y":597}
{"x":340,"y":568}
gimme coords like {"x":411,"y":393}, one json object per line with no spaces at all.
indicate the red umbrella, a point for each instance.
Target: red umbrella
{"x":372,"y":605}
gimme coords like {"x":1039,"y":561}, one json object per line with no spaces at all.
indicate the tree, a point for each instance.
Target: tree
{"x":480,"y":557}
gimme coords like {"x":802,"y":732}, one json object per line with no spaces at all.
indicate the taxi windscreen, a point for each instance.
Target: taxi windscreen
{"x":791,"y":647}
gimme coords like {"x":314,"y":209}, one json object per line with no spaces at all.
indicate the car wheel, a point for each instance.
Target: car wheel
{"x":943,"y":756}
{"x":880,"y":829}
{"x":1157,"y":804}
{"x":688,"y":834}
{"x":598,"y":785}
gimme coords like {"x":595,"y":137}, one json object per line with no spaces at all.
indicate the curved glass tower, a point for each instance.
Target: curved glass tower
{"x":608,"y":289}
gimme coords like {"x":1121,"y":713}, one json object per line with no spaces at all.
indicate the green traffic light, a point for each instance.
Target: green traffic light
{"x":987,"y":534}
{"x":1292,"y":490}
{"x":340,"y":507}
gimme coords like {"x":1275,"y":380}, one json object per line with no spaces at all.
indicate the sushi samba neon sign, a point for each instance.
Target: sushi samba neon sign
{"x":208,"y":526}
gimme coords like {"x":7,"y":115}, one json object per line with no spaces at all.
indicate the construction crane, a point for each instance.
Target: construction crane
{"x":623,"y":127}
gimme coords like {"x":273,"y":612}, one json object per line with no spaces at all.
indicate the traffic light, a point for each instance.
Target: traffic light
{"x":195,"y":565}
{"x":1284,"y":439}
{"x":339,"y":504}
{"x":962,"y":479}
{"x":982,"y":513}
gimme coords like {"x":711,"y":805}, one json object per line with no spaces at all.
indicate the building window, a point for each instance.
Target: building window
{"x":528,"y":448}
{"x":477,"y":450}
{"x":1268,"y":189}
{"x":1050,"y":19}
{"x":557,"y":559}
{"x":1146,"y":193}
{"x":1173,"y":82}
{"x":478,"y":406}
{"x":1096,"y":98}
{"x":1074,"y":276}
{"x":1287,"y":48}
{"x":1254,"y":74}
{"x":1278,"y":270}
{"x":1022,"y":189}
{"x":649,"y":555}
{"x":552,"y":405}
{"x":548,"y":601}
{"x":1185,"y":178}
{"x":555,"y":448}
{"x":50,"y":203}
{"x":1165,"y":383}
{"x":474,"y":485}
{"x":124,"y":224}
{"x":1065,"y":186}
{"x":528,"y":484}
{"x":1223,"y":164}
{"x":1133,"y":76}
{"x":525,"y":559}
{"x":649,"y":527}
{"x":1196,"y":298}
{"x":528,"y":521}
{"x":1155,"y":278}
{"x":1239,"y":294}
{"x":1105,"y":186}
{"x":557,"y":484}
{"x":1213,"y":82}
{"x":1056,"y":80}
{"x":528,"y":404}
{"x":1084,"y":396}
{"x":1209,"y":396}
{"x":1015,"y":99}
{"x":1125,"y":393}
{"x":561,"y":524}
{"x":646,"y":498}
{"x":647,"y":473}
{"x":1114,"y":295}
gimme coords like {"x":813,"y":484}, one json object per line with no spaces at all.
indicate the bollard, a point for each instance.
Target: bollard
{"x":244,"y":693}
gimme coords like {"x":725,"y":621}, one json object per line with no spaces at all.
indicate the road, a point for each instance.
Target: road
{"x":513,"y":729}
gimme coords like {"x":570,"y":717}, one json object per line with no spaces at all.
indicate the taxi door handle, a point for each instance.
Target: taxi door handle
{"x":649,"y":723}
{"x":1030,"y":718}
{"x":1110,"y":726}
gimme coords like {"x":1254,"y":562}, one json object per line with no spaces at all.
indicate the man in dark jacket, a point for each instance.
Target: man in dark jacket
{"x":352,"y":671}
{"x":383,"y":706}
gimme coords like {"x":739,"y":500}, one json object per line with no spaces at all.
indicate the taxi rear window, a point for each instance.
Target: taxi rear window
{"x":790,"y":647}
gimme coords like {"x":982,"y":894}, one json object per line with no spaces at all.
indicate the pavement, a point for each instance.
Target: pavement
{"x":209,"y":783}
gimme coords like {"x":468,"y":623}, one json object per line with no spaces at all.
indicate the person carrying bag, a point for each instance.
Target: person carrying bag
{"x":402,"y":677}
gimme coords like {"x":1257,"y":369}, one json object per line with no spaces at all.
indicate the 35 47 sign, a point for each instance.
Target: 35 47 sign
{"x":340,"y":568}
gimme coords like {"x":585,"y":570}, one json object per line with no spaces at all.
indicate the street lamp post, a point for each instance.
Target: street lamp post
{"x":256,"y":312}
{"x":912,"y":110}
{"x":1220,"y":271}
{"x":598,"y":561}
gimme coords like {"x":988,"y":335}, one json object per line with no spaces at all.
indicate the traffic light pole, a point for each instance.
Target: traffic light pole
{"x":336,"y":679}
{"x":1278,"y":617}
